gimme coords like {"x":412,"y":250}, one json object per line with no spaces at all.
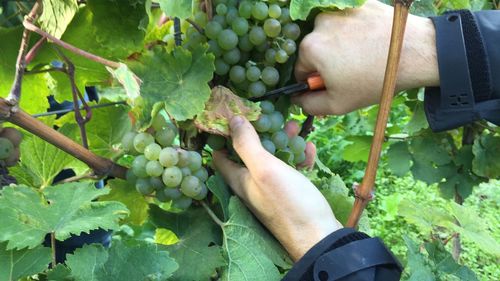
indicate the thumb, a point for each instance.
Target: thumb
{"x":246,"y":142}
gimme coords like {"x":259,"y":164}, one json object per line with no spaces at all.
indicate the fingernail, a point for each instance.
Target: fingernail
{"x":236,"y":121}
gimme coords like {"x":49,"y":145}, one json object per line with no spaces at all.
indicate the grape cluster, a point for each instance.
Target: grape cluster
{"x":10,"y":139}
{"x":161,"y":169}
{"x":249,"y":39}
{"x":273,"y":138}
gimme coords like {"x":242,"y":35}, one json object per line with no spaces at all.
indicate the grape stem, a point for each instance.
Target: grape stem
{"x":101,"y":166}
{"x":15,"y":91}
{"x":307,"y":127}
{"x":53,"y":248}
{"x":212,"y":214}
{"x":90,"y":176}
{"x":196,"y":26}
{"x":365,"y":191}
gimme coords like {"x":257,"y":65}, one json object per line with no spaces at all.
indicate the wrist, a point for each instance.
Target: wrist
{"x":419,"y":64}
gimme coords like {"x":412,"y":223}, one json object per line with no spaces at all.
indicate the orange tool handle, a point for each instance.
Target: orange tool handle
{"x":315,"y":82}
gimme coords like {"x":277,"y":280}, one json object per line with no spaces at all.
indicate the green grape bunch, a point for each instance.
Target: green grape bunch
{"x":10,"y":139}
{"x":162,"y":169}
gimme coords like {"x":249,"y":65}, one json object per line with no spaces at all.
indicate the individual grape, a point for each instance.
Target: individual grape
{"x":202,"y":194}
{"x":257,"y":89}
{"x":214,"y":48}
{"x":144,"y":186}
{"x":182,"y":202}
{"x":237,"y":74}
{"x":232,"y":3}
{"x":272,"y":28}
{"x":232,"y":57}
{"x":152,"y":151}
{"x":280,"y":139}
{"x":168,"y":157}
{"x":142,"y":140}
{"x":128,"y":141}
{"x":240,"y":26}
{"x":194,"y":160}
{"x":139,"y":166}
{"x":257,"y":35}
{"x":12,"y":134}
{"x":221,"y":9}
{"x":285,"y":155}
{"x":183,"y":158}
{"x":213,"y":29}
{"x":186,"y":171}
{"x":261,"y":49}
{"x":281,"y":56}
{"x":299,"y":157}
{"x":172,"y":193}
{"x":166,"y":136}
{"x":231,"y":15}
{"x":6,"y":148}
{"x":172,"y":177}
{"x":190,"y":186}
{"x":221,"y":20}
{"x":201,"y":174}
{"x":274,"y":11}
{"x":130,"y":176}
{"x":253,"y":73}
{"x":291,"y":31}
{"x":245,"y":9}
{"x":263,"y":124}
{"x":297,"y":144}
{"x":216,"y":142}
{"x":245,"y":44}
{"x":260,"y":11}
{"x":159,"y":122}
{"x":267,"y":107}
{"x":227,"y":39}
{"x":270,"y":76}
{"x":160,"y":196}
{"x":270,"y":56}
{"x":277,"y":121}
{"x":269,"y":146}
{"x":201,"y":19}
{"x":221,"y":67}
{"x":154,"y":168}
{"x":285,"y":16}
{"x":289,"y":46}
{"x":13,"y":157}
{"x":157,"y":183}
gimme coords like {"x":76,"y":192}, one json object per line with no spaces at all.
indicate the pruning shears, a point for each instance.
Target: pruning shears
{"x":313,"y":83}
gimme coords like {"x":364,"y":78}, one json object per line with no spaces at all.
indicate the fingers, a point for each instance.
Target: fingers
{"x":232,"y":172}
{"x":292,"y":129}
{"x":314,"y":103}
{"x":303,"y":67}
{"x":310,"y":156}
{"x":247,"y":144}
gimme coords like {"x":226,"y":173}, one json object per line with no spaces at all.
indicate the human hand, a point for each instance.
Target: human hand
{"x":349,"y":49}
{"x":283,"y":199}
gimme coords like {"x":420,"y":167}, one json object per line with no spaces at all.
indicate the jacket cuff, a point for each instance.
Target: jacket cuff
{"x":349,"y":255}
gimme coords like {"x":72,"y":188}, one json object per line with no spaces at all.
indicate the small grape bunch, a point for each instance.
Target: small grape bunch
{"x":10,"y":139}
{"x":274,"y":139}
{"x":159,"y":168}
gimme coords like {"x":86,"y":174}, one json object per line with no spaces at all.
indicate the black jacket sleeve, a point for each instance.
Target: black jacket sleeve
{"x":346,"y":255}
{"x":468,"y":50}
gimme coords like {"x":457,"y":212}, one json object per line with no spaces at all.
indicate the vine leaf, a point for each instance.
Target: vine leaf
{"x":300,"y":9}
{"x":486,"y":154}
{"x":130,"y":82}
{"x":15,"y":265}
{"x":250,"y":251}
{"x":219,"y":188}
{"x":176,"y":81}
{"x":197,"y":246}
{"x":444,"y":262}
{"x":56,"y":16}
{"x":222,"y":106}
{"x":182,"y":9}
{"x":418,"y":268}
{"x":399,"y":158}
{"x":125,"y":192}
{"x":359,"y":148}
{"x":63,"y":209}
{"x":120,"y":262}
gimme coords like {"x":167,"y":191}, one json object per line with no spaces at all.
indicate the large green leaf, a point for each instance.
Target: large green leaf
{"x":142,"y":261}
{"x":125,"y":192}
{"x":250,"y":251}
{"x":300,"y":9}
{"x":219,"y":188}
{"x":62,"y":209}
{"x":444,"y":262}
{"x":418,"y":120}
{"x":178,"y":8}
{"x":56,"y":16}
{"x":399,"y":158}
{"x":176,"y":81}
{"x":197,"y":250}
{"x":417,"y":267}
{"x":486,"y":151}
{"x":23,"y":263}
{"x":359,"y":149}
